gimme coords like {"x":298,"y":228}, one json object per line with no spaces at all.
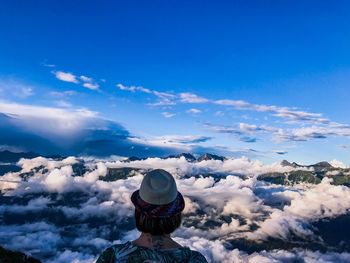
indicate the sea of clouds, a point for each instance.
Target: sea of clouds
{"x":62,"y":211}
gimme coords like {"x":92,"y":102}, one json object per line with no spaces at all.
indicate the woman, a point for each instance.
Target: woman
{"x":158,"y":207}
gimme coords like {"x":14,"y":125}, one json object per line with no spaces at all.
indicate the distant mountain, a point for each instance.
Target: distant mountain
{"x":321,"y":166}
{"x":317,"y":167}
{"x":189,"y":157}
{"x":8,"y":256}
{"x":132,"y":159}
{"x":308,"y":174}
{"x":286,"y":163}
{"x":208,"y":156}
{"x":12,"y":157}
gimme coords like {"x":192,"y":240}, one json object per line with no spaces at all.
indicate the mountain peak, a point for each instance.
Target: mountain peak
{"x":209,"y":156}
{"x":286,"y":163}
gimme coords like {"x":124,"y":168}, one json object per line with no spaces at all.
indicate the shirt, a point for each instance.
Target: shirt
{"x":129,"y":252}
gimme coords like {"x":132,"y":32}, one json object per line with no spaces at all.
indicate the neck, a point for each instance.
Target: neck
{"x":156,"y":242}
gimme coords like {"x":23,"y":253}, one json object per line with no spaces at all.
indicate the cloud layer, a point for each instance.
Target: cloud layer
{"x":228,"y":214}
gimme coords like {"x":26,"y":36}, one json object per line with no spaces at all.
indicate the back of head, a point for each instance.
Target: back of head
{"x":158,"y":204}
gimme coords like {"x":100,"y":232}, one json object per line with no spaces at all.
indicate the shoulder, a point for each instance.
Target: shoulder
{"x":192,"y":256}
{"x":116,"y":252}
{"x":106,"y":256}
{"x":197,"y":257}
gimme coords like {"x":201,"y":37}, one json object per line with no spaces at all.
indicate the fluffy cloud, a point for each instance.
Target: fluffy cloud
{"x":338,"y":164}
{"x":86,"y":82}
{"x":92,"y":86}
{"x":66,"y":76}
{"x":56,"y":120}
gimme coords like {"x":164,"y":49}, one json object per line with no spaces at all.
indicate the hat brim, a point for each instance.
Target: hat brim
{"x":158,"y":211}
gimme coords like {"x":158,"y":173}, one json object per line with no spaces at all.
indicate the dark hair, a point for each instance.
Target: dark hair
{"x":157,"y":226}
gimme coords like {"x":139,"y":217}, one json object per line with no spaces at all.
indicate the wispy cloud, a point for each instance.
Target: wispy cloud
{"x":219,"y":113}
{"x":194,"y":111}
{"x":222,"y":129}
{"x":62,"y":93}
{"x":312,"y":132}
{"x":48,"y":65}
{"x":289,"y":114}
{"x":133,"y":88}
{"x":86,"y":79}
{"x":183,"y":142}
{"x":168,"y":114}
{"x":63,"y":104}
{"x":283,"y":134}
{"x":15,"y":88}
{"x":345,"y":146}
{"x":192,"y":98}
{"x":281,"y":112}
{"x":241,"y":135}
{"x":164,"y":98}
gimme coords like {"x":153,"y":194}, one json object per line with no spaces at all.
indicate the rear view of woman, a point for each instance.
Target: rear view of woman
{"x":158,"y":208}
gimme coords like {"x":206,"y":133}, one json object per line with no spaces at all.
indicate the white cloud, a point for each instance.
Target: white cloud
{"x":194,"y":111}
{"x":183,"y":142}
{"x":319,"y":201}
{"x":222,"y":129}
{"x":248,"y":127}
{"x":63,"y":104}
{"x":168,"y":114}
{"x":16,"y":88}
{"x":281,"y":112}
{"x":25,"y":92}
{"x":164,"y":98}
{"x":66,"y":76}
{"x":219,"y":113}
{"x":48,"y":65}
{"x":133,"y":88}
{"x":285,"y":134}
{"x":62,"y":93}
{"x":92,"y":86}
{"x":57,"y":120}
{"x":338,"y":164}
{"x":312,"y":132}
{"x":187,"y":97}
{"x":86,"y":79}
{"x":86,"y":82}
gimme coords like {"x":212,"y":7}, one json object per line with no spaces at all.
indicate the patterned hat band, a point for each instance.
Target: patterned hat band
{"x":158,"y":211}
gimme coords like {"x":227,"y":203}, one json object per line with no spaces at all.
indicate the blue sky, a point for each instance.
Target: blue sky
{"x":265,"y":79}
